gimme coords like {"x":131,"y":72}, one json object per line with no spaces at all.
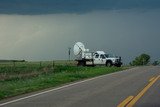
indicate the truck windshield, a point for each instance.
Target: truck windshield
{"x":110,"y":56}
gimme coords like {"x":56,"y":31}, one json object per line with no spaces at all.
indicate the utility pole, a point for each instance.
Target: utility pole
{"x":69,"y":53}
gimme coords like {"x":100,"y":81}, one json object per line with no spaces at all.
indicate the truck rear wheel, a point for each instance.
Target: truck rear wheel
{"x":81,"y":63}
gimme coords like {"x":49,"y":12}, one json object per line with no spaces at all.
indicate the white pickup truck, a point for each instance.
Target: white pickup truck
{"x":86,"y":58}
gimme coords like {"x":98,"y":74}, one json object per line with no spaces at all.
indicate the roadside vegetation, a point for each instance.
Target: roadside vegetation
{"x":142,"y":59}
{"x":24,"y":77}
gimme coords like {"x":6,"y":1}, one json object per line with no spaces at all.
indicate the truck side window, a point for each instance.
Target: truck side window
{"x":106,"y":55}
{"x":97,"y":55}
{"x":102,"y":56}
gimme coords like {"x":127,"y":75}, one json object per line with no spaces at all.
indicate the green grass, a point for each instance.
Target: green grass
{"x":45,"y":77}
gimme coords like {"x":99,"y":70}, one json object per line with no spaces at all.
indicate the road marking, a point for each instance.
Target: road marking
{"x":65,"y":86}
{"x":125,"y":102}
{"x":130,"y":101}
{"x":151,"y":79}
{"x":136,"y":98}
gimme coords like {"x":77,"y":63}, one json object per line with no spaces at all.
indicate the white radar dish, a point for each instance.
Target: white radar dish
{"x":78,"y":48}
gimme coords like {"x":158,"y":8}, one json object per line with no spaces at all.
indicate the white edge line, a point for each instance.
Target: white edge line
{"x":65,"y":86}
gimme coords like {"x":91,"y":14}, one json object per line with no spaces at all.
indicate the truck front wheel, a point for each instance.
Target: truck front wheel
{"x":108,"y":64}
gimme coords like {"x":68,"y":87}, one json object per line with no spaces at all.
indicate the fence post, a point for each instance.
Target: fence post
{"x":53,"y":63}
{"x":14,"y":65}
{"x":40,"y":64}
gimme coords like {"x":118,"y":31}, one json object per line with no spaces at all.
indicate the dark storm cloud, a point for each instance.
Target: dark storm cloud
{"x":30,"y":29}
{"x":127,"y":33}
{"x":71,"y":6}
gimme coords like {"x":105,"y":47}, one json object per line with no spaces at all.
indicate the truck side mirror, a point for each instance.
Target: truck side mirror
{"x":120,"y":58}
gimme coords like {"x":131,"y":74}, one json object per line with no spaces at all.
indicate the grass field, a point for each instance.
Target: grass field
{"x":24,"y":77}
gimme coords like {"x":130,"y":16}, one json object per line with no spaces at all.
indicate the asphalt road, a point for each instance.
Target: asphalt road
{"x":105,"y":91}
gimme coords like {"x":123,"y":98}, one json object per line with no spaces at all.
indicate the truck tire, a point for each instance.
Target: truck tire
{"x":108,"y":63}
{"x":81,"y":63}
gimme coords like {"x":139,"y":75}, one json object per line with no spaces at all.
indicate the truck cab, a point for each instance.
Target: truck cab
{"x":101,"y":58}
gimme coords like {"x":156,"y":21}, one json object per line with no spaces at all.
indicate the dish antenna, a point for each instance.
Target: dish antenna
{"x":79,"y":48}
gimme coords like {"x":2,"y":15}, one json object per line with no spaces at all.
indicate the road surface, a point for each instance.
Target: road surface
{"x":137,"y":87}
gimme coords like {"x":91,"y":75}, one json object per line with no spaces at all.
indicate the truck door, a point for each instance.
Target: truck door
{"x":97,"y":60}
{"x":103,"y":59}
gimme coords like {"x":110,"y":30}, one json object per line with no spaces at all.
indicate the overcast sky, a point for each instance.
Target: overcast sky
{"x":44,"y":29}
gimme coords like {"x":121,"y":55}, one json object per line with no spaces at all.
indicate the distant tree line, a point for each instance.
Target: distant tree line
{"x":12,"y":60}
{"x":156,"y":63}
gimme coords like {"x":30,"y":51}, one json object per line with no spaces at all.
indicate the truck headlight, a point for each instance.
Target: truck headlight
{"x":113,"y":60}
